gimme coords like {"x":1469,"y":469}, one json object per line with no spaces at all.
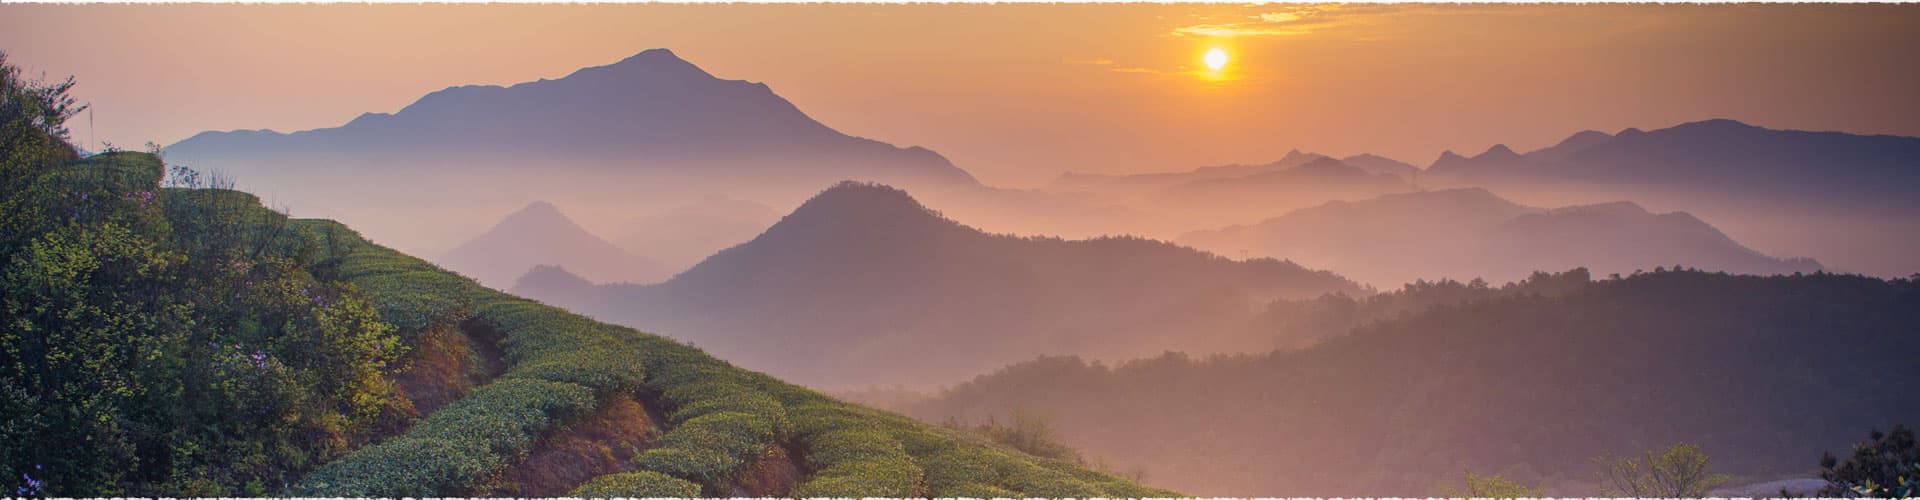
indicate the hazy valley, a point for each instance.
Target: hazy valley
{"x":646,"y":279}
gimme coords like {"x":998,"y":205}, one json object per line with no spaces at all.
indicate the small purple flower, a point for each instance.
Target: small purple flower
{"x":33,"y":485}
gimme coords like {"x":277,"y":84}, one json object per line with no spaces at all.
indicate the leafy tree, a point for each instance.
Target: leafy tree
{"x":1494,"y":486}
{"x":1680,"y":471}
{"x":1029,"y":432}
{"x":1886,"y":465}
{"x":165,"y":341}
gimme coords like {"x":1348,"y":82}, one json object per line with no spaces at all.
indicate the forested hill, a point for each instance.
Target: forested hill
{"x":1765,"y":373}
{"x":865,"y":284}
{"x":186,"y":341}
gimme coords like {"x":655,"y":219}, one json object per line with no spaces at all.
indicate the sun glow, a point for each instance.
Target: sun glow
{"x":1215,"y":59}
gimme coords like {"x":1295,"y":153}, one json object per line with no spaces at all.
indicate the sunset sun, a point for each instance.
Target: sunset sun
{"x":1215,"y":59}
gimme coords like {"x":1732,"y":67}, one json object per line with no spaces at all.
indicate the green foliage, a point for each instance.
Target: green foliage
{"x":1687,"y":356}
{"x":164,"y":341}
{"x":506,"y":415}
{"x":642,"y":484}
{"x":1887,"y":465}
{"x":405,"y":467}
{"x":1680,"y":471}
{"x":1028,"y":432}
{"x":1494,"y":486}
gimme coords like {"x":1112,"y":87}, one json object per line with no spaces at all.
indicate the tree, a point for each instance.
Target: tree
{"x":1030,"y":432}
{"x":1494,"y":486}
{"x":1679,"y":471}
{"x":1886,"y":465}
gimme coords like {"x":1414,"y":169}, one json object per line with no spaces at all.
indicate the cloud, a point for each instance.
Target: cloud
{"x":1098,"y":61}
{"x":1294,"y":21}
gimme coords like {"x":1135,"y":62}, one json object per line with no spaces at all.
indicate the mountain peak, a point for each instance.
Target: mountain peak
{"x":1717,"y":123}
{"x":1325,"y":164}
{"x":657,"y":53}
{"x":1614,"y":208}
{"x":551,"y":277}
{"x":1586,"y":135}
{"x":1497,"y":152}
{"x":862,"y":201}
{"x":1297,"y":157}
{"x":649,"y":65}
{"x":541,"y":234}
{"x":539,"y":212}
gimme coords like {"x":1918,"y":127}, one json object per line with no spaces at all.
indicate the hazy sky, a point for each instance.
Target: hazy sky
{"x":1017,"y":94}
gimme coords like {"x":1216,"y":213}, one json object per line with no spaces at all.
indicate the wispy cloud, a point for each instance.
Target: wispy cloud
{"x":1291,"y":21}
{"x":1110,"y":65}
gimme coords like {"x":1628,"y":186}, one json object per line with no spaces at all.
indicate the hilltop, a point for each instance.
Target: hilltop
{"x":920,"y":299}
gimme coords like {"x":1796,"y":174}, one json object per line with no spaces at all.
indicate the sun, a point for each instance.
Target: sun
{"x":1216,"y":58}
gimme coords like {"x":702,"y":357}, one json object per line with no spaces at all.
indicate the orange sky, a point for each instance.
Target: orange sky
{"x":1019,"y":93}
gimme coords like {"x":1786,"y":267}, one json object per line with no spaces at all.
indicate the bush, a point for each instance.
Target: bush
{"x":710,"y":449}
{"x":404,"y":467}
{"x":1680,"y":471}
{"x":1494,"y":486}
{"x":642,"y":484}
{"x":1886,"y":465}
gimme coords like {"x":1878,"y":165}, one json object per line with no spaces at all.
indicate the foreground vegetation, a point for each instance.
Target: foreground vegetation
{"x":1527,"y":386}
{"x":185,"y":340}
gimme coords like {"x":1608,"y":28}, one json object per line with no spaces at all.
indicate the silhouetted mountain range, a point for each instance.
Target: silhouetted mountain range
{"x":1472,"y":233}
{"x":650,"y":111}
{"x":1844,"y":198}
{"x":647,"y":133}
{"x":1376,"y":164}
{"x":1723,"y":155}
{"x":1258,"y":196}
{"x":540,"y":235}
{"x":1765,"y":373}
{"x":862,"y":283}
{"x":1123,"y":186}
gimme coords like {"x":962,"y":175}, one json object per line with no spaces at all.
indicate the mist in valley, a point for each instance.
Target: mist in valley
{"x":657,"y":279}
{"x":1260,"y":299}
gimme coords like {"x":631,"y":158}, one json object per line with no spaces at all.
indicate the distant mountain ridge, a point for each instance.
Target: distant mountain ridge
{"x":921,"y":299}
{"x":653,"y":107}
{"x":1718,"y":153}
{"x":646,"y":133}
{"x":1471,"y":233}
{"x":1845,"y":198}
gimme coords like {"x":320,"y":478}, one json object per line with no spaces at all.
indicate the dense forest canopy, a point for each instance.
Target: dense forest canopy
{"x":1764,"y":373}
{"x":167,"y":340}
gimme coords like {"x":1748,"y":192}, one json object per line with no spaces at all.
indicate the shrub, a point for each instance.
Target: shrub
{"x":1680,"y":471}
{"x":403,"y":467}
{"x":642,"y":484}
{"x":1494,"y":486}
{"x":1886,"y":465}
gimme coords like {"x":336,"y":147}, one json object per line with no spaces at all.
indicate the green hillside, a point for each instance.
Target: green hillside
{"x":719,"y":419}
{"x":185,"y":340}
